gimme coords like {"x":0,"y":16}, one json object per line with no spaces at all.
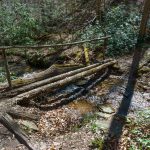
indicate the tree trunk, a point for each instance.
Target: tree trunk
{"x":98,"y":9}
{"x":145,"y":17}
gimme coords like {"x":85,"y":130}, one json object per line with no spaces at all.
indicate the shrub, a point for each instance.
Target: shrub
{"x":121,"y":25}
{"x":17,"y":25}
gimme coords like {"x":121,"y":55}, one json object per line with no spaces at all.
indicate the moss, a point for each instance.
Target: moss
{"x":20,"y":81}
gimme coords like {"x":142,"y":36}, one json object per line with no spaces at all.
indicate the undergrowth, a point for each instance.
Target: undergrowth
{"x":121,"y":24}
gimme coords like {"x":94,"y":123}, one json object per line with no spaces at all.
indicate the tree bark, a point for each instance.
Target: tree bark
{"x":22,"y":115}
{"x":145,"y":17}
{"x":98,"y":10}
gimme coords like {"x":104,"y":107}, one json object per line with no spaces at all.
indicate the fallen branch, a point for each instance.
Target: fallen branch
{"x":50,"y":87}
{"x":13,"y":127}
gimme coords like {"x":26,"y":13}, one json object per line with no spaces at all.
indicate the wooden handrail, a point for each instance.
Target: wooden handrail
{"x":53,"y":45}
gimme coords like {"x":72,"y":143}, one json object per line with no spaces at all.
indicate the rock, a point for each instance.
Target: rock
{"x":29,"y":124}
{"x":107,"y":109}
{"x":103,"y":115}
{"x":146,"y":96}
{"x":102,"y":124}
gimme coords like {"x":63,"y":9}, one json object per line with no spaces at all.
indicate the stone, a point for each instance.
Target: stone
{"x":102,"y":124}
{"x":103,"y":115}
{"x":29,"y":124}
{"x":107,"y":109}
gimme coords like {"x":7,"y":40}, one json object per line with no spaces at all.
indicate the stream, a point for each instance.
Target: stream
{"x":109,"y":91}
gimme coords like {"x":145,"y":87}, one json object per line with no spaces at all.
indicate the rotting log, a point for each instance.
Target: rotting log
{"x":51,"y":71}
{"x":50,"y":87}
{"x":13,"y":127}
{"x":22,"y":115}
{"x":48,"y":81}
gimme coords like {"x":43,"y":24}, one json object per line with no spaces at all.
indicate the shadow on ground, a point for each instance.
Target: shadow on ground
{"x":111,"y":142}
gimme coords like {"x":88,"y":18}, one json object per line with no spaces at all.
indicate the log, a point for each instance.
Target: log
{"x":13,"y":127}
{"x":22,"y":115}
{"x":48,"y":81}
{"x":75,"y":94}
{"x":50,"y":87}
{"x":51,"y":71}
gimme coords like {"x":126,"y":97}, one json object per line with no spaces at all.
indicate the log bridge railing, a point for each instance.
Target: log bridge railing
{"x":5,"y":48}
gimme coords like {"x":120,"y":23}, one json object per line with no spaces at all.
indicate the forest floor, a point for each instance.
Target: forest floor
{"x":84,"y":123}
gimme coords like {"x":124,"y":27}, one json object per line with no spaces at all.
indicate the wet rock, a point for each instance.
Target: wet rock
{"x":102,"y":124}
{"x":103,"y":115}
{"x":146,"y":96}
{"x":29,"y":125}
{"x":137,"y":102}
{"x":107,"y":109}
{"x":97,"y":100}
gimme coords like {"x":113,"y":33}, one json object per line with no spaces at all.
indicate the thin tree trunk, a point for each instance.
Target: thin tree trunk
{"x":98,"y":9}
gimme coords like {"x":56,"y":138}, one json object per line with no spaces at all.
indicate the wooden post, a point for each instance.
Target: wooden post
{"x":86,"y":54}
{"x":104,"y":48}
{"x":144,"y":21}
{"x":7,"y":69}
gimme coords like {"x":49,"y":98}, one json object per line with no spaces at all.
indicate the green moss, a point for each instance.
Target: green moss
{"x":20,"y":81}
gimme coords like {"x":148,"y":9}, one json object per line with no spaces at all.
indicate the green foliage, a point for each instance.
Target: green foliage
{"x":98,"y":143}
{"x":140,"y":140}
{"x":17,"y":25}
{"x":2,"y":77}
{"x":53,"y":15}
{"x":140,"y":137}
{"x":121,"y":25}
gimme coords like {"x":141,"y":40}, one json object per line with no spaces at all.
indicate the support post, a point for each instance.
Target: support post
{"x":104,"y":48}
{"x":7,"y":69}
{"x":86,"y":55}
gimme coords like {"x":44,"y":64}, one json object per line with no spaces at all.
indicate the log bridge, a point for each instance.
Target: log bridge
{"x":27,"y":47}
{"x":29,"y":92}
{"x":44,"y":83}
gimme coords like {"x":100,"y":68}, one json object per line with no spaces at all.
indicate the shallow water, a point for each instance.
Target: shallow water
{"x":82,"y":106}
{"x":20,"y":69}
